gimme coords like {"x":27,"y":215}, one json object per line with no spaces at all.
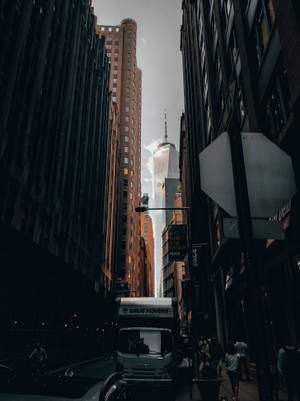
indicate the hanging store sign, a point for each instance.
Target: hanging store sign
{"x":177,"y":242}
{"x":199,"y":253}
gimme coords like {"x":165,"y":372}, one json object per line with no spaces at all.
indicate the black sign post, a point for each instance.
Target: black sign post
{"x":177,"y":242}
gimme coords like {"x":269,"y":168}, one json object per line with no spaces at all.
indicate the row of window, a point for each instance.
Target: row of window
{"x":126,"y":161}
{"x":110,"y":28}
{"x":124,"y":217}
{"x":125,"y":195}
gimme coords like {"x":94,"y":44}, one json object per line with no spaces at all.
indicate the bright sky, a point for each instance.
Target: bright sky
{"x":159,"y":57}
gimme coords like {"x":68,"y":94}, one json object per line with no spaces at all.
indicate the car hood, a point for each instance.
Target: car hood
{"x":91,"y":395}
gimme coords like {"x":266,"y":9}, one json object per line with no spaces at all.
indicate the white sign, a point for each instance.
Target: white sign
{"x":269,"y":173}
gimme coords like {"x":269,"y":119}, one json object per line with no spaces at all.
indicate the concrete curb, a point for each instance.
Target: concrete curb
{"x":75,"y":364}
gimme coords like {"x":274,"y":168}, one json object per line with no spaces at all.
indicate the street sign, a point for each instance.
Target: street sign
{"x":270,"y":175}
{"x":177,"y":242}
{"x":198,"y":254}
{"x":216,"y":173}
{"x":269,"y":172}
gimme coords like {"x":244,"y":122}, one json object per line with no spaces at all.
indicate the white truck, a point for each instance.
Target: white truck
{"x":146,"y":352}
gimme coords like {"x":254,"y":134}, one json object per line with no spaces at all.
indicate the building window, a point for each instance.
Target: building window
{"x":270,"y":12}
{"x":114,"y":98}
{"x":131,"y":162}
{"x":129,"y":259}
{"x":127,"y":99}
{"x":263,"y":27}
{"x":115,"y":63}
{"x":129,"y":47}
{"x":277,"y":103}
{"x":125,"y":182}
{"x":126,"y":128}
{"x":125,"y":194}
{"x":109,"y":29}
{"x":126,"y":138}
{"x":117,"y":30}
{"x":115,"y":72}
{"x":124,"y":231}
{"x":114,"y":90}
{"x":129,"y":40}
{"x":126,"y":149}
{"x":123,"y":244}
{"x":128,"y":72}
{"x":115,"y":80}
{"x":125,"y":171}
{"x":116,"y":55}
{"x":126,"y":160}
{"x":108,"y":46}
{"x":102,"y":29}
{"x":124,"y":206}
{"x":129,"y":55}
{"x":129,"y":63}
{"x":127,"y":119}
{"x":127,"y":109}
{"x":109,"y":38}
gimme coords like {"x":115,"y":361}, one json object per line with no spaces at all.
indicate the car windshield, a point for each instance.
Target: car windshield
{"x":140,"y":341}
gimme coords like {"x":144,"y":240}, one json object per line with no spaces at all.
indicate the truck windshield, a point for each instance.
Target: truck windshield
{"x":145,"y":341}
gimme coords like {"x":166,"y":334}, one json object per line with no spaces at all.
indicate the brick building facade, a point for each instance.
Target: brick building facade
{"x":125,"y":84}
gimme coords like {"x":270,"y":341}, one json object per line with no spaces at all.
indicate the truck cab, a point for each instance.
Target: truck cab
{"x":146,"y":352}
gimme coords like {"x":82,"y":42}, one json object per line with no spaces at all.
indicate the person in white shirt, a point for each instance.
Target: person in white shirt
{"x":242,"y":349}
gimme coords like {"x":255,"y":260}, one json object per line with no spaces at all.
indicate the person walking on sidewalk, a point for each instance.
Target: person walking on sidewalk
{"x":289,"y":368}
{"x":233,"y":364}
{"x":242,"y":349}
{"x":217,"y":355}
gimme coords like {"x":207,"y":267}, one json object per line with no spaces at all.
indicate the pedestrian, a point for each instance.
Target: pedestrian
{"x":232,"y":364}
{"x":289,"y":368}
{"x":216,"y":354}
{"x":39,"y":358}
{"x":242,"y":349}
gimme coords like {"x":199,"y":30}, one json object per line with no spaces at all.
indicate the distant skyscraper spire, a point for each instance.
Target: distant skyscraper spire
{"x":166,"y":127}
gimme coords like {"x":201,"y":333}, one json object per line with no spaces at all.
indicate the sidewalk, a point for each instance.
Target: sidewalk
{"x":248,"y":391}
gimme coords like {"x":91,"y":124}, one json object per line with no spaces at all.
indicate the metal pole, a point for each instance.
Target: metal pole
{"x":252,"y":271}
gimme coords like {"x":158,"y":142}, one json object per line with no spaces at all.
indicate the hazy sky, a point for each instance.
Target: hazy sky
{"x":159,"y":57}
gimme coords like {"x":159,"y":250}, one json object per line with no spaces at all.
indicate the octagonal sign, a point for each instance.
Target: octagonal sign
{"x":269,"y":172}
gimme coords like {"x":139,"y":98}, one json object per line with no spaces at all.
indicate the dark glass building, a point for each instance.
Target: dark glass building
{"x":241,"y":67}
{"x":54,"y":105}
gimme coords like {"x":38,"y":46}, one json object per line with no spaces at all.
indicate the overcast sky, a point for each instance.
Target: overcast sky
{"x":159,"y":57}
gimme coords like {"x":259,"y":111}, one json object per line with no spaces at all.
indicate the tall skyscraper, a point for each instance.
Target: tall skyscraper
{"x":147,"y":234}
{"x":125,"y":84}
{"x":165,"y":165}
{"x":170,"y":187}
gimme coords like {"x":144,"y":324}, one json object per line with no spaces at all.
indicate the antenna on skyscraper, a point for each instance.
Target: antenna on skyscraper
{"x":166,"y":127}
